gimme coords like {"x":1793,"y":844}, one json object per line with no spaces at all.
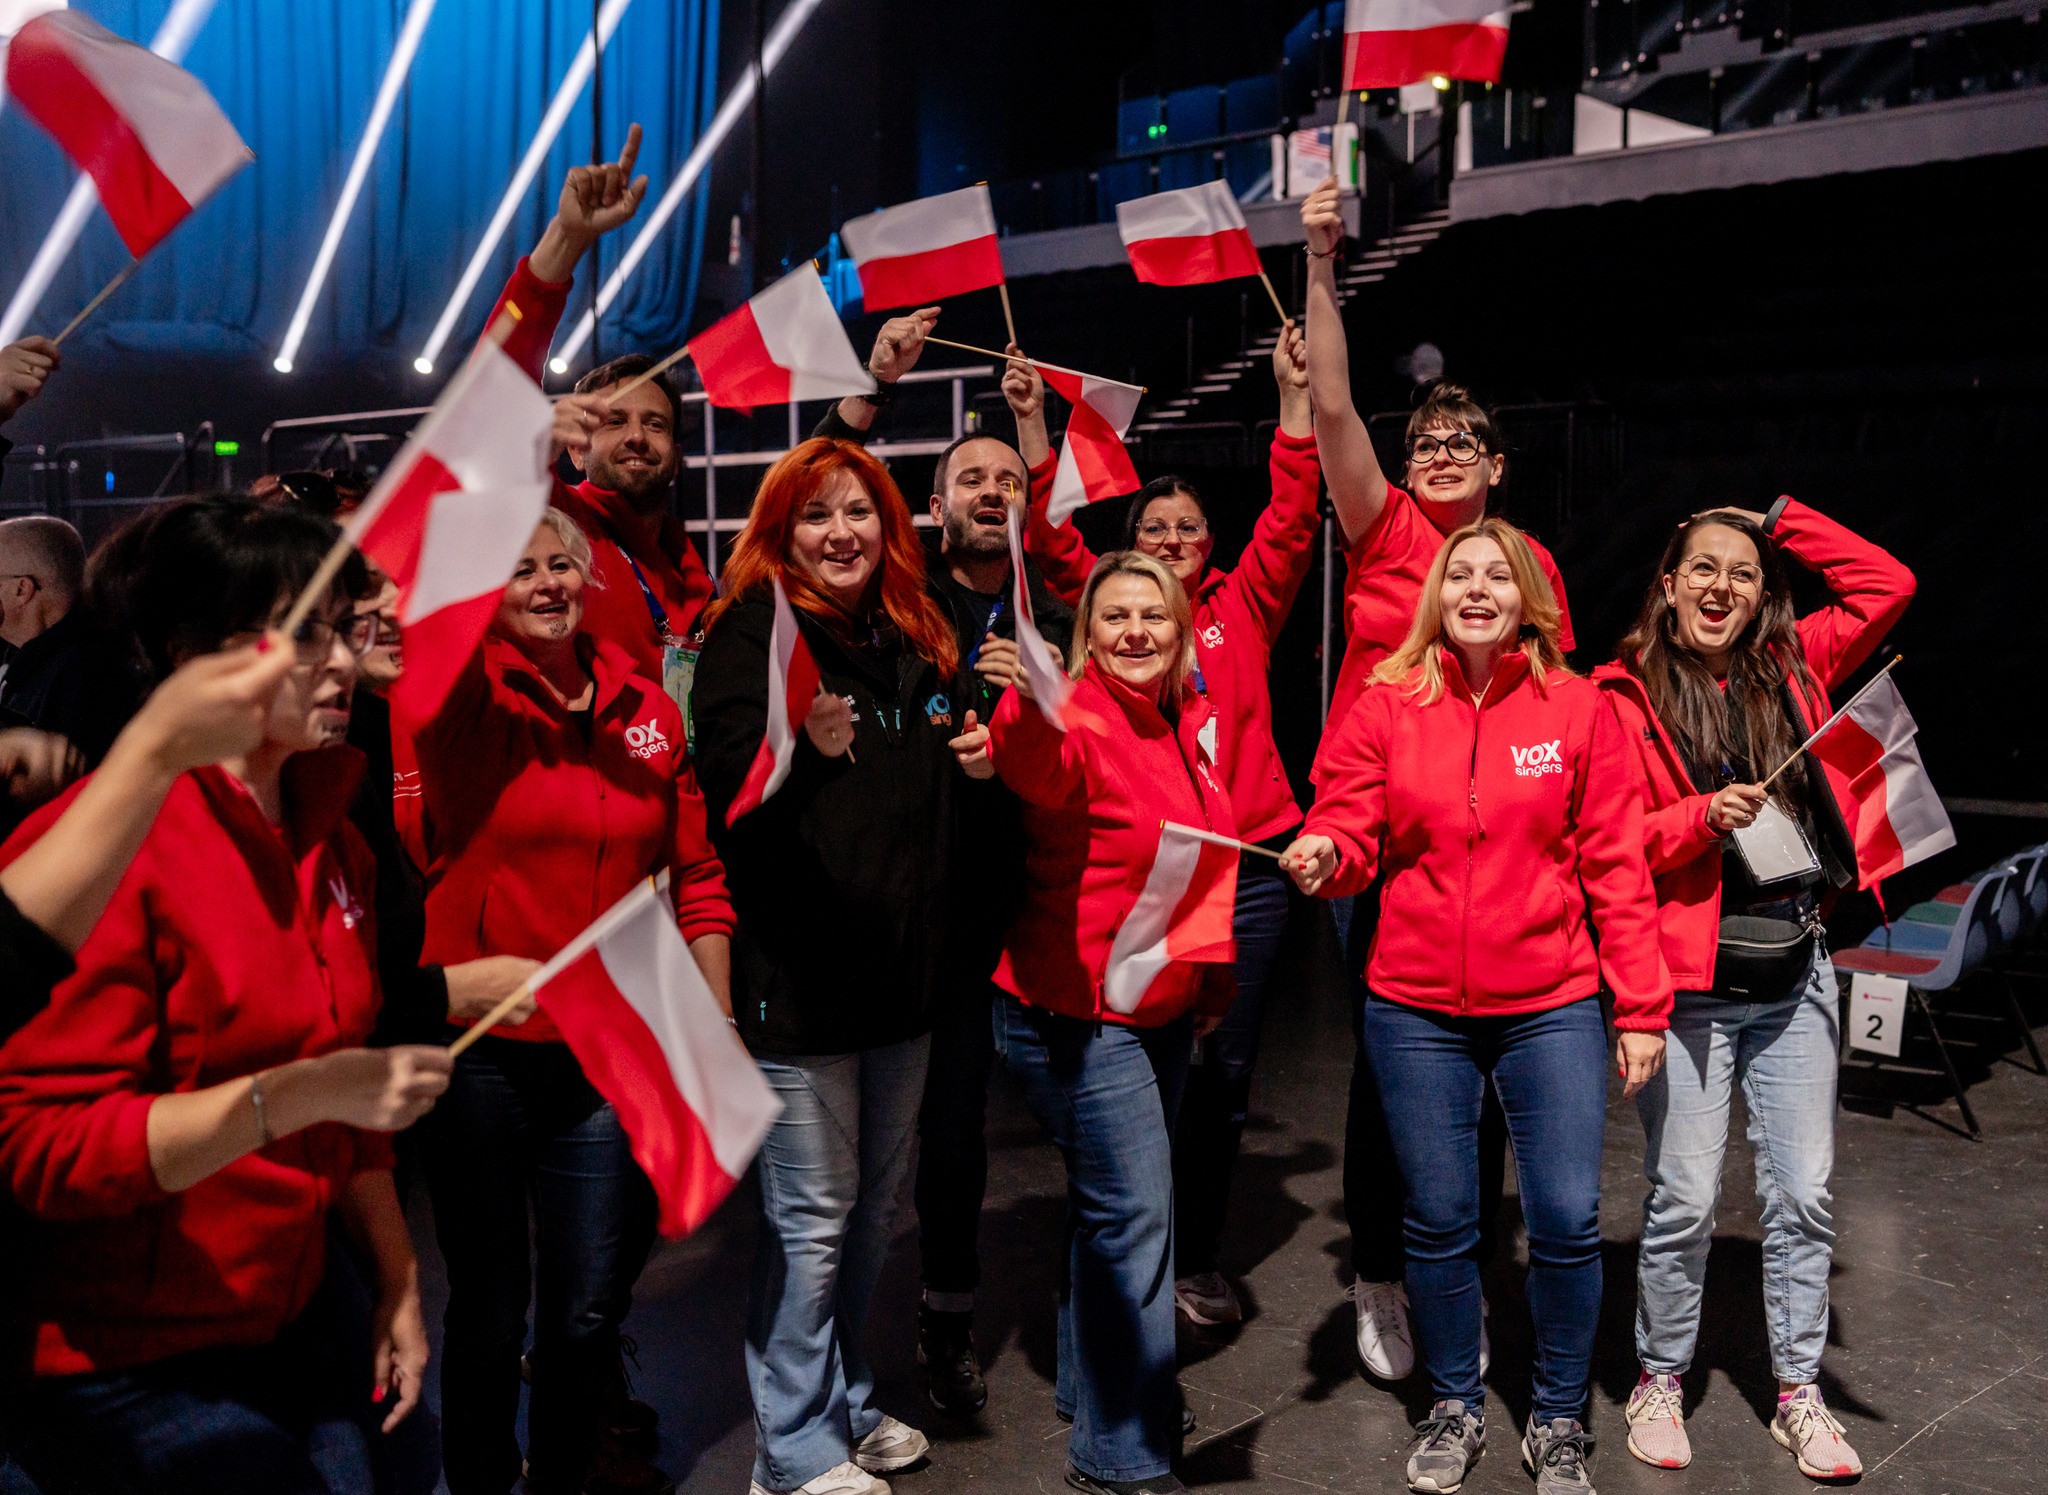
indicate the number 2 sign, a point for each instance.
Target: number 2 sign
{"x":1877,"y":1013}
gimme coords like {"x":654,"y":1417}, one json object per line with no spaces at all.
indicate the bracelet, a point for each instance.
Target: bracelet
{"x":884,"y":392}
{"x":262,"y":1117}
{"x":1330,"y":255}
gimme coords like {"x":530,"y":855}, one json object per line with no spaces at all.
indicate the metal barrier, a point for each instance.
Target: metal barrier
{"x":61,"y":479}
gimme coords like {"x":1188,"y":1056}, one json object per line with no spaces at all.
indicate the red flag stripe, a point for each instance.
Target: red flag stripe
{"x":734,"y":362}
{"x":436,"y":649}
{"x":1388,"y":59}
{"x":933,"y":275}
{"x":393,"y":538}
{"x":1195,"y":259}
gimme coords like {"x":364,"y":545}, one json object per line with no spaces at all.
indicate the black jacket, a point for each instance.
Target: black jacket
{"x":415,"y":1007}
{"x":72,"y":679}
{"x":840,"y":881}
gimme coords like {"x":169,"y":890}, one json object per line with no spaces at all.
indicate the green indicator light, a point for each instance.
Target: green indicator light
{"x":227,"y":448}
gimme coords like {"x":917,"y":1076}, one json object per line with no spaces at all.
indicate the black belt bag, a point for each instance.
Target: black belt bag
{"x":1759,"y":959}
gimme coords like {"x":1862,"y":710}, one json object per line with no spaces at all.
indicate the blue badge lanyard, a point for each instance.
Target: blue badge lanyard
{"x":986,"y":629}
{"x":654,"y":607}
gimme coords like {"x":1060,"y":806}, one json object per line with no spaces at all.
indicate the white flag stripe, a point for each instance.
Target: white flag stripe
{"x":1913,"y":808}
{"x":1881,"y":711}
{"x":922,"y":226}
{"x":1050,"y":685}
{"x":172,"y":115}
{"x":782,"y":642}
{"x":1139,"y":953}
{"x":1421,"y":15}
{"x":1190,"y":212}
{"x":651,"y":967}
{"x":804,"y":335}
{"x":626,"y":908}
{"x":1201,"y":835}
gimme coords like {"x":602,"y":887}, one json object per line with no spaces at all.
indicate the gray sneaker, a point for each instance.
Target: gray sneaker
{"x":1446,"y":1443}
{"x":1556,"y":1453}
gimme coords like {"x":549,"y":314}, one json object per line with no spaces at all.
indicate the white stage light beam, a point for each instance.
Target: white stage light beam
{"x":737,"y":102}
{"x":395,"y":73}
{"x":172,"y":41}
{"x":550,"y":126}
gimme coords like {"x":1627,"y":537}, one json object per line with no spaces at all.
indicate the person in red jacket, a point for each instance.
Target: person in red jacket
{"x":181,"y":1122}
{"x":552,"y":780}
{"x":1494,"y":793}
{"x":1104,"y":1075}
{"x":1238,"y":615}
{"x":1717,"y":684}
{"x":1455,"y":462}
{"x":654,"y":586}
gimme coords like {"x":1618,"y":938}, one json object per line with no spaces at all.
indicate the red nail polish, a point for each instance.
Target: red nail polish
{"x":263,"y":644}
{"x":377,"y":1394}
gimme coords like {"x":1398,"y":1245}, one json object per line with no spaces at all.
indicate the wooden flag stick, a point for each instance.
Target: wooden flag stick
{"x":1267,"y":281}
{"x":344,"y":543}
{"x":639,"y":379}
{"x":488,"y":1021}
{"x":1058,"y":368}
{"x":94,"y":305}
{"x":1008,"y":321}
{"x":1828,"y":725}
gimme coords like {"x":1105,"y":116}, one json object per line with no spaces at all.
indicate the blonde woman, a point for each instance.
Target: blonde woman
{"x":1494,"y":790}
{"x":1103,"y":1075}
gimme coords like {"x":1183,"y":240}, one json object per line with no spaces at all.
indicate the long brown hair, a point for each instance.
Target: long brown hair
{"x":1420,"y":656}
{"x":1682,"y":690}
{"x":762,"y":552}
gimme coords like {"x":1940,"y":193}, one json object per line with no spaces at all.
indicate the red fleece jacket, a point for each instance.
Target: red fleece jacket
{"x":1238,"y":615}
{"x":1093,"y":799}
{"x":1871,"y":592}
{"x":1510,"y":833}
{"x":528,"y":830}
{"x":230,"y":946}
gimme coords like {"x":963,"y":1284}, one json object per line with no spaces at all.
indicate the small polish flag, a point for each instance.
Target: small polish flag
{"x":792,"y":683}
{"x":1187,"y":237}
{"x":1050,"y":685}
{"x":786,"y":344}
{"x":1896,"y":817}
{"x":451,"y":516}
{"x":1184,"y":913}
{"x":1391,"y":42}
{"x":145,"y":130}
{"x":927,"y":250}
{"x":639,"y":1017}
{"x":1093,"y":462}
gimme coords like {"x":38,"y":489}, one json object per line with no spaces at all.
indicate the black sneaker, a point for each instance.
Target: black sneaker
{"x":629,"y":1423}
{"x":1158,"y":1484}
{"x":945,"y":1348}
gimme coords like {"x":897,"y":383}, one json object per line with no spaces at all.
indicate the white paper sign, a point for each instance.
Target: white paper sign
{"x":1877,"y":1013}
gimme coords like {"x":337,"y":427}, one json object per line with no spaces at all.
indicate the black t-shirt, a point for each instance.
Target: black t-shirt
{"x":1739,"y":891}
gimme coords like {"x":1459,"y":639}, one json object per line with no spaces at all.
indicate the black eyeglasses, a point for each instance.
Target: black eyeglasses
{"x":314,"y":637}
{"x":1464,"y":448}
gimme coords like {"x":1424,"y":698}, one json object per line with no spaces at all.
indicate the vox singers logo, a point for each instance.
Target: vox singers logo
{"x":1543,"y":758}
{"x":645,"y":740}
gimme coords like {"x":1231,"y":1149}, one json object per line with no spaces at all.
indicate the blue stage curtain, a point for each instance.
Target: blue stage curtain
{"x":297,"y":78}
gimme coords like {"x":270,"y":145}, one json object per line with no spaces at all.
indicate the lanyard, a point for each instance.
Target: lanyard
{"x":987,"y":628}
{"x":654,"y":607}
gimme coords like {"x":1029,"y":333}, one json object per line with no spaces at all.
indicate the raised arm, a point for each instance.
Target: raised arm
{"x":897,"y":348}
{"x":1358,"y":489}
{"x":1037,"y":760}
{"x":1063,"y":557}
{"x":1274,"y":564}
{"x":1871,"y":588}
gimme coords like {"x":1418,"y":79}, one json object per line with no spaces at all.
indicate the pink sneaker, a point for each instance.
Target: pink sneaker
{"x":1805,"y":1426}
{"x":1656,"y":1423}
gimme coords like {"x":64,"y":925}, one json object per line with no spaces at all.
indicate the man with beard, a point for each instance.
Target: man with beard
{"x":977,"y":479}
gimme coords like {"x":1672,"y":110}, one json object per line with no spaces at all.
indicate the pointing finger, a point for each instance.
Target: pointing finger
{"x":631,"y":151}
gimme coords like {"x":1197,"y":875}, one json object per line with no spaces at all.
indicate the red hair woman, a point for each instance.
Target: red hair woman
{"x":840,"y":884}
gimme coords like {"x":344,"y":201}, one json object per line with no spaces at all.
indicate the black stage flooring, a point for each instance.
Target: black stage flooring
{"x":1938,"y":1358}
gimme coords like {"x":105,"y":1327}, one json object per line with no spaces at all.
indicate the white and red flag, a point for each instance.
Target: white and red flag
{"x":1391,"y":42}
{"x":451,"y":516}
{"x":925,"y":251}
{"x":1050,"y":685}
{"x":145,"y":130}
{"x":1093,"y":462}
{"x":637,"y":1013}
{"x":1896,"y":817}
{"x":1184,"y":913}
{"x":786,"y":344}
{"x":792,"y":683}
{"x":1186,"y":237}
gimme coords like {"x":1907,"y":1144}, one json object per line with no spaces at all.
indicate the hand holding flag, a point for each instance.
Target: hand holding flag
{"x":1047,"y":683}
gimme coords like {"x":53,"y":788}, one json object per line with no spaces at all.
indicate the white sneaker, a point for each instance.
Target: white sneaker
{"x":1485,"y":1341}
{"x":840,"y":1479}
{"x":1207,"y":1299}
{"x":1385,"y":1343}
{"x":891,"y":1446}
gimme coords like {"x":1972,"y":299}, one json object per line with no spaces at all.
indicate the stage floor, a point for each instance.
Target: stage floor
{"x":1938,"y":1352}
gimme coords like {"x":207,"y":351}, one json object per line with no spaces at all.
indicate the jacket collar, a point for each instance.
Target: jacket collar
{"x":1143,"y":713}
{"x":609,"y":664}
{"x":1506,"y":675}
{"x":1207,"y":584}
{"x":619,"y":518}
{"x":318,"y":788}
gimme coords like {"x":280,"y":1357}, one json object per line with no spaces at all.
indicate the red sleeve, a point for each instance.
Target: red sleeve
{"x":1678,"y":833}
{"x":698,"y":588}
{"x":1871,"y":590}
{"x":1283,"y":542}
{"x":76,"y":1083}
{"x":1351,"y":795}
{"x":1606,"y":828}
{"x":696,"y":876}
{"x":540,"y":303}
{"x":1565,"y":641}
{"x":1063,"y":557}
{"x":373,"y":1152}
{"x":1037,"y":760}
{"x":421,"y":750}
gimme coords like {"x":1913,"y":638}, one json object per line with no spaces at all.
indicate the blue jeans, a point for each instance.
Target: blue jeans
{"x":1210,"y":1128}
{"x":1550,"y":1071}
{"x":292,"y":1417}
{"x":1108,"y":1093}
{"x":1783,"y":1055}
{"x":536,"y":1198}
{"x":830,"y":1170}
